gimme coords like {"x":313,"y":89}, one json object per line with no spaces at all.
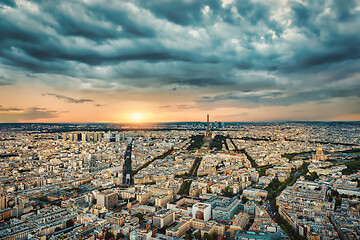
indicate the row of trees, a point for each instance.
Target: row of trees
{"x":195,"y":167}
{"x":196,"y":142}
{"x":217,"y":142}
{"x":352,"y":167}
{"x":185,"y":187}
{"x":312,"y":176}
{"x":110,"y":235}
{"x":145,"y":165}
{"x":274,"y":189}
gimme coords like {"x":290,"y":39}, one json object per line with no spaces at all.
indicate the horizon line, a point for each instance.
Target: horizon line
{"x":138,"y":123}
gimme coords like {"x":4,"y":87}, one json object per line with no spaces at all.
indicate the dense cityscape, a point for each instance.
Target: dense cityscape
{"x":197,"y":180}
{"x":179,"y":119}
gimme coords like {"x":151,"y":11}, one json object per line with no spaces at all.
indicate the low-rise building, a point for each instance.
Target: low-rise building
{"x":163,"y":218}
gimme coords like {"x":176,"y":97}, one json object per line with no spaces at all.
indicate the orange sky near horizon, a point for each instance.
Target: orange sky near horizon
{"x":130,"y":107}
{"x":150,"y":61}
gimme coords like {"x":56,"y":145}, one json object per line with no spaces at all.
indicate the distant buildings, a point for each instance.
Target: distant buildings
{"x":40,"y":170}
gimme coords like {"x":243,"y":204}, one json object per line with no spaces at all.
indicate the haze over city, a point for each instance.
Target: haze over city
{"x":163,"y":61}
{"x":179,"y":119}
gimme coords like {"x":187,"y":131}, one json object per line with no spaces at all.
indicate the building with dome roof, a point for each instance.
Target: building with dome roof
{"x":319,"y":155}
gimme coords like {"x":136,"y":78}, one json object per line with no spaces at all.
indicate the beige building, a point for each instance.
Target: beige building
{"x":3,"y":202}
{"x":143,"y":197}
{"x":204,"y":227}
{"x":240,"y":222}
{"x":179,"y":229}
{"x":163,"y":218}
{"x":108,"y":199}
{"x":162,"y":200}
{"x":319,"y":155}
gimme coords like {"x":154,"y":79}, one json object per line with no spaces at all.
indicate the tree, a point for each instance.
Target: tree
{"x":109,"y":235}
{"x":197,"y":235}
{"x":139,"y":215}
{"x":228,"y":192}
{"x":69,"y":223}
{"x":188,"y":237}
{"x":215,"y":236}
{"x":244,"y":199}
{"x":334,"y":193}
{"x":119,"y":235}
{"x":58,"y":229}
{"x":207,"y":236}
{"x":312,"y":176}
{"x":94,"y":201}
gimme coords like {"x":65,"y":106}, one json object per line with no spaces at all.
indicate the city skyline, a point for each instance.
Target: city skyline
{"x":175,"y":61}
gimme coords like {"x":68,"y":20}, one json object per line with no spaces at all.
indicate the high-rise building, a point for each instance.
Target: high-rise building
{"x":128,"y":178}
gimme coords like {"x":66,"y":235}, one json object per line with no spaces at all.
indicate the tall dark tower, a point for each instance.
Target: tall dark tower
{"x":207,"y":126}
{"x":208,"y":133}
{"x":128,"y":178}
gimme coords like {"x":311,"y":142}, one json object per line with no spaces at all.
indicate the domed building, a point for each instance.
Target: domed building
{"x":319,"y":155}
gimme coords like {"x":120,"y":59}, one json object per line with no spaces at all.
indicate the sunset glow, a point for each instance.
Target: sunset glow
{"x":137,"y":117}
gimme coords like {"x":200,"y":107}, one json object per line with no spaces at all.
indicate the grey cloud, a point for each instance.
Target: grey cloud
{"x":32,"y":113}
{"x":277,"y":98}
{"x":183,"y":106}
{"x":204,"y":82}
{"x":247,"y":47}
{"x":180,"y":12}
{"x":165,"y":106}
{"x":5,"y":81}
{"x":10,"y":3}
{"x":31,"y":75}
{"x":7,"y":109}
{"x":69,"y":99}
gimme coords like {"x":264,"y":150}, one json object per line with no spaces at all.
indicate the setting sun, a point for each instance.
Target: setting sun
{"x":137,"y":117}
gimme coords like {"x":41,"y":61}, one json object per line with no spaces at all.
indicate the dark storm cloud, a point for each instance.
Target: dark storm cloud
{"x":204,"y":82}
{"x":266,"y":98}
{"x":10,"y":3}
{"x":180,"y":12}
{"x":246,"y":47}
{"x":69,"y":99}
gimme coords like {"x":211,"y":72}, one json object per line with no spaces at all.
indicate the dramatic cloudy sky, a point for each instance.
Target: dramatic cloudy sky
{"x":246,"y":60}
